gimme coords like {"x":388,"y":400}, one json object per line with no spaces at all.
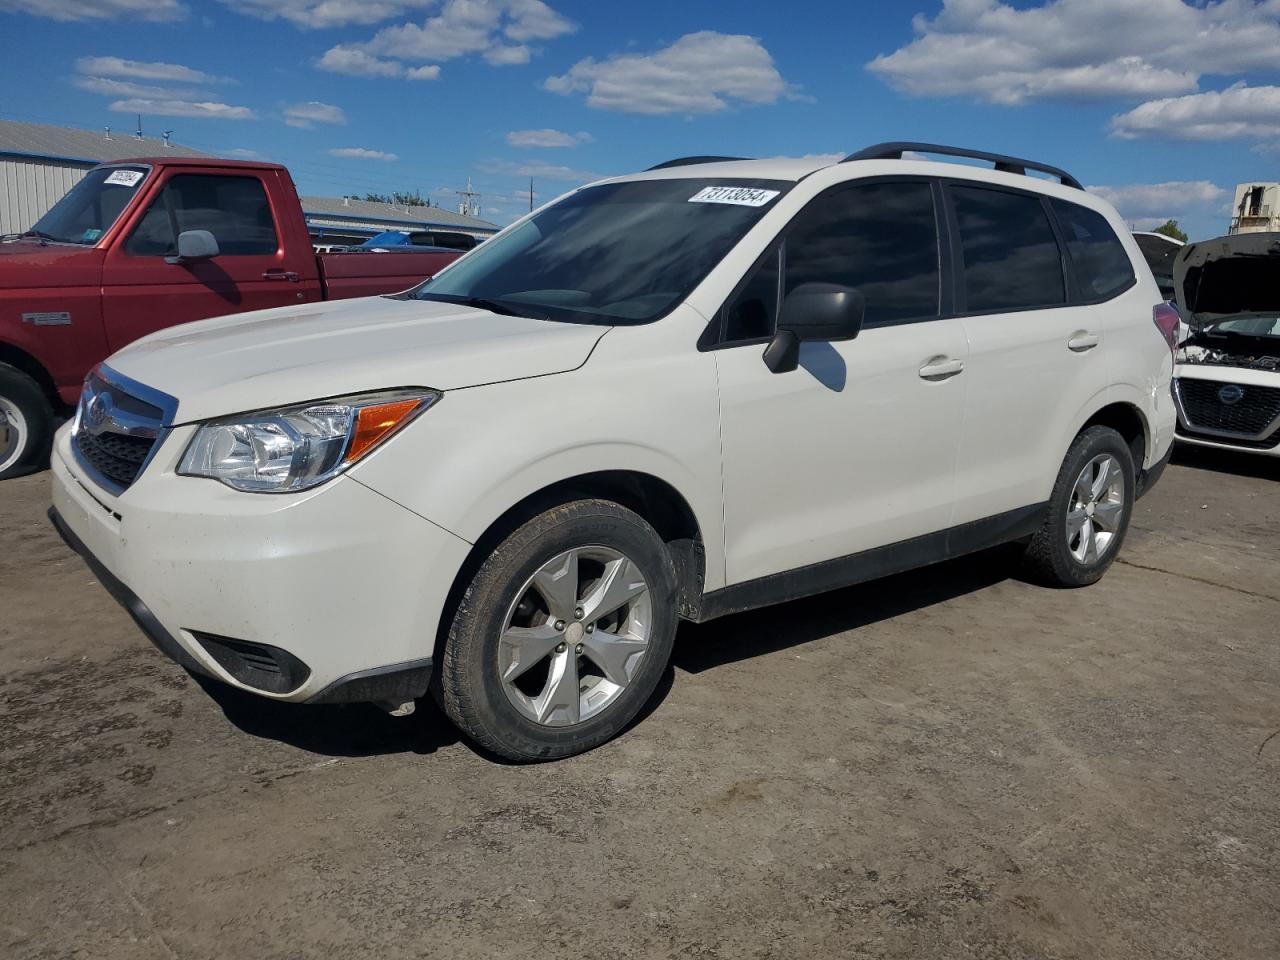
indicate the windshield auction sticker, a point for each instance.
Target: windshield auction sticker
{"x":125,"y":178}
{"x":738,"y":196}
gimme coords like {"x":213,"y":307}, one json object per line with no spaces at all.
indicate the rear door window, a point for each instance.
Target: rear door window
{"x":1101,"y":266}
{"x":234,"y":209}
{"x":1011,"y":256}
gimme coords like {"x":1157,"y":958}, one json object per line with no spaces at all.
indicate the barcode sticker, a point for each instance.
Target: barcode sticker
{"x":125,"y":178}
{"x":738,"y":196}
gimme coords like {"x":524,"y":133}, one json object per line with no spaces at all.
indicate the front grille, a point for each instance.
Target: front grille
{"x":117,"y":457}
{"x":1249,"y":416}
{"x":117,"y":427}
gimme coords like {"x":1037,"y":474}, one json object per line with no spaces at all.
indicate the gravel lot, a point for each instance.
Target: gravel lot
{"x":950,"y":763}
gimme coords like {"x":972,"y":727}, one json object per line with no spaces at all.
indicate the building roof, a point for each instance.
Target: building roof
{"x":419,"y":218}
{"x":82,"y":146}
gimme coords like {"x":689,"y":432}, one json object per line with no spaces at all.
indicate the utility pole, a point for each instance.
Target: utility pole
{"x":531,"y":194}
{"x":469,"y":205}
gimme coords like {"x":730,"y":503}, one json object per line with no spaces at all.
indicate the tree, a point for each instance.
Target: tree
{"x":399,"y":199}
{"x":1170,"y":229}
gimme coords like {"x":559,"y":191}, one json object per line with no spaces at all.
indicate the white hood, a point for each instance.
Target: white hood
{"x":271,"y":358}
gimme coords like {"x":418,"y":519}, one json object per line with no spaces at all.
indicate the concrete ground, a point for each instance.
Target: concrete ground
{"x":951,"y":763}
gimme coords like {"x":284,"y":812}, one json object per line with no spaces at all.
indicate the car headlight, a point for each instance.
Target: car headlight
{"x":296,"y":448}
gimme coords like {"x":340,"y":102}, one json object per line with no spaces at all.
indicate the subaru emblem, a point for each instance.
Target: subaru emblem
{"x":1230,"y":393}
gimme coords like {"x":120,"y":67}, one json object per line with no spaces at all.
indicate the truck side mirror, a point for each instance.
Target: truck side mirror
{"x":194,"y":245}
{"x":824,"y":312}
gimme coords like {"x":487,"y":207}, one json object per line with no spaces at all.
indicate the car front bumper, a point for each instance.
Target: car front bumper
{"x":333,"y":595}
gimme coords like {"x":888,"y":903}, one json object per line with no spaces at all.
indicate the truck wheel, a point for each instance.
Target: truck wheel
{"x":1089,"y":512}
{"x":26,"y":424}
{"x":563,"y":633}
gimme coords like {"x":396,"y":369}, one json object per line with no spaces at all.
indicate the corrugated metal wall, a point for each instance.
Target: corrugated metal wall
{"x":30,"y":187}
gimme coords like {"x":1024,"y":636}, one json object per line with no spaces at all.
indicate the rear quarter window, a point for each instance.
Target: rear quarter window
{"x":1102,"y":267}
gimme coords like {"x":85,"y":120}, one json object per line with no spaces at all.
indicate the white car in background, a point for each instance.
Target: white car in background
{"x":1227,"y":384}
{"x":685,"y":393}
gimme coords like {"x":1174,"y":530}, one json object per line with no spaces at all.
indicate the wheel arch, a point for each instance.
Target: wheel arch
{"x":1128,"y":420}
{"x":663,"y":506}
{"x":25,"y":362}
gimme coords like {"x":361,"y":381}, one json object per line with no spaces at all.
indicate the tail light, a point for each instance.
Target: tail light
{"x":1169,"y":322}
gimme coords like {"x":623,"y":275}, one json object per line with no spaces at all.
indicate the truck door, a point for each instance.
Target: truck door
{"x":254,"y":269}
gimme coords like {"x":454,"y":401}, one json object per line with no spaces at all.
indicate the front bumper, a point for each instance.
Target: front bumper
{"x":329,"y":596}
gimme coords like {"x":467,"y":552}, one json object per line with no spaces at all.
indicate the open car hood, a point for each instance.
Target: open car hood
{"x":1236,"y":276}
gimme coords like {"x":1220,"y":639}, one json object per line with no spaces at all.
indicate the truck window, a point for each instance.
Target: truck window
{"x":234,"y":209}
{"x":92,"y":206}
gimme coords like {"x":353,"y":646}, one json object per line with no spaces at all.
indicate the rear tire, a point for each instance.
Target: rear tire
{"x":1089,"y":512}
{"x":26,"y":424}
{"x":563,"y":634}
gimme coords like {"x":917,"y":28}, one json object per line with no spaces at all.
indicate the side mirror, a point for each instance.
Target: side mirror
{"x":194,"y":245}
{"x":824,"y":312}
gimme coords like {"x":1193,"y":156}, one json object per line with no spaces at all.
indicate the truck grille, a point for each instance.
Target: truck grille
{"x":1248,"y":417}
{"x":118,"y":425}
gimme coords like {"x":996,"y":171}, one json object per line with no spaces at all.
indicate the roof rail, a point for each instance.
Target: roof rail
{"x":691,"y":161}
{"x":894,"y":151}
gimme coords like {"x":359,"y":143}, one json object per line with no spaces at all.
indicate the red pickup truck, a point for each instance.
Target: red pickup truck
{"x":144,"y":244}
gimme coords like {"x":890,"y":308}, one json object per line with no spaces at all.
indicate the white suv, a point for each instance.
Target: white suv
{"x":710,"y":386}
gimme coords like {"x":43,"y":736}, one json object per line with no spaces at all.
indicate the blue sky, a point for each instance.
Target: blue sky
{"x":1165,"y":104}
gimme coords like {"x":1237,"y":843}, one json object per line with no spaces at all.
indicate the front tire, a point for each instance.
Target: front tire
{"x":26,"y":424}
{"x":563,"y":634}
{"x":1089,"y":512}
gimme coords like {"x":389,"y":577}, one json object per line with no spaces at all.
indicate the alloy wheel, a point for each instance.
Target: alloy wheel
{"x":1096,"y":509}
{"x":575,"y":636}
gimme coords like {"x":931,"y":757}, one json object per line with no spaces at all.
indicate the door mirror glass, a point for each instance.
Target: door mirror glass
{"x":814,"y":312}
{"x":195,"y":245}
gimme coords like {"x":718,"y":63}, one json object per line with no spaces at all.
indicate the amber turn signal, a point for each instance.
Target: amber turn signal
{"x":374,"y":423}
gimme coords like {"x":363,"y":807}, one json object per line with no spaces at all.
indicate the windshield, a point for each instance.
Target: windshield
{"x":91,"y":206}
{"x":619,"y":253}
{"x":1248,"y":327}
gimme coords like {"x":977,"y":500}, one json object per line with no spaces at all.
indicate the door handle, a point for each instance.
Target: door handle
{"x":289,"y":275}
{"x":1083,"y":340}
{"x":940,"y":368}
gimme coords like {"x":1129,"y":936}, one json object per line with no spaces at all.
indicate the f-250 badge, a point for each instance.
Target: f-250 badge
{"x":48,"y":319}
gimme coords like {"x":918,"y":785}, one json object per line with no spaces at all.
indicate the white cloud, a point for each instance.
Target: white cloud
{"x":1150,"y":204}
{"x":1238,"y":111}
{"x":103,"y":75}
{"x":141,"y":70}
{"x":318,"y":14}
{"x":357,"y":63}
{"x":699,"y":73}
{"x":70,"y":10}
{"x":184,"y":108}
{"x":539,"y":171}
{"x":311,"y":112}
{"x":1080,"y":49}
{"x":109,"y":87}
{"x":430,"y":72}
{"x":499,"y":30}
{"x":361,"y":153}
{"x":546,"y":138}
{"x":506,"y":56}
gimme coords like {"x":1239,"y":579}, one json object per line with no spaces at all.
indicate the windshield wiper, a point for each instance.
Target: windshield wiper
{"x":494,"y":306}
{"x":39,"y":235}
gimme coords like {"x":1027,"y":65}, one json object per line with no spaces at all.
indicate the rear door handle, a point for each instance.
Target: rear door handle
{"x":289,"y":275}
{"x":940,"y":368}
{"x":1083,"y":340}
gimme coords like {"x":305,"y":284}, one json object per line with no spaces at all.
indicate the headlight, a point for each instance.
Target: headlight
{"x":296,"y":448}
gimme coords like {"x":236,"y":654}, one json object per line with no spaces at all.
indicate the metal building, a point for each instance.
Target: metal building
{"x":345,"y":220}
{"x":1257,"y":208}
{"x":39,"y":163}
